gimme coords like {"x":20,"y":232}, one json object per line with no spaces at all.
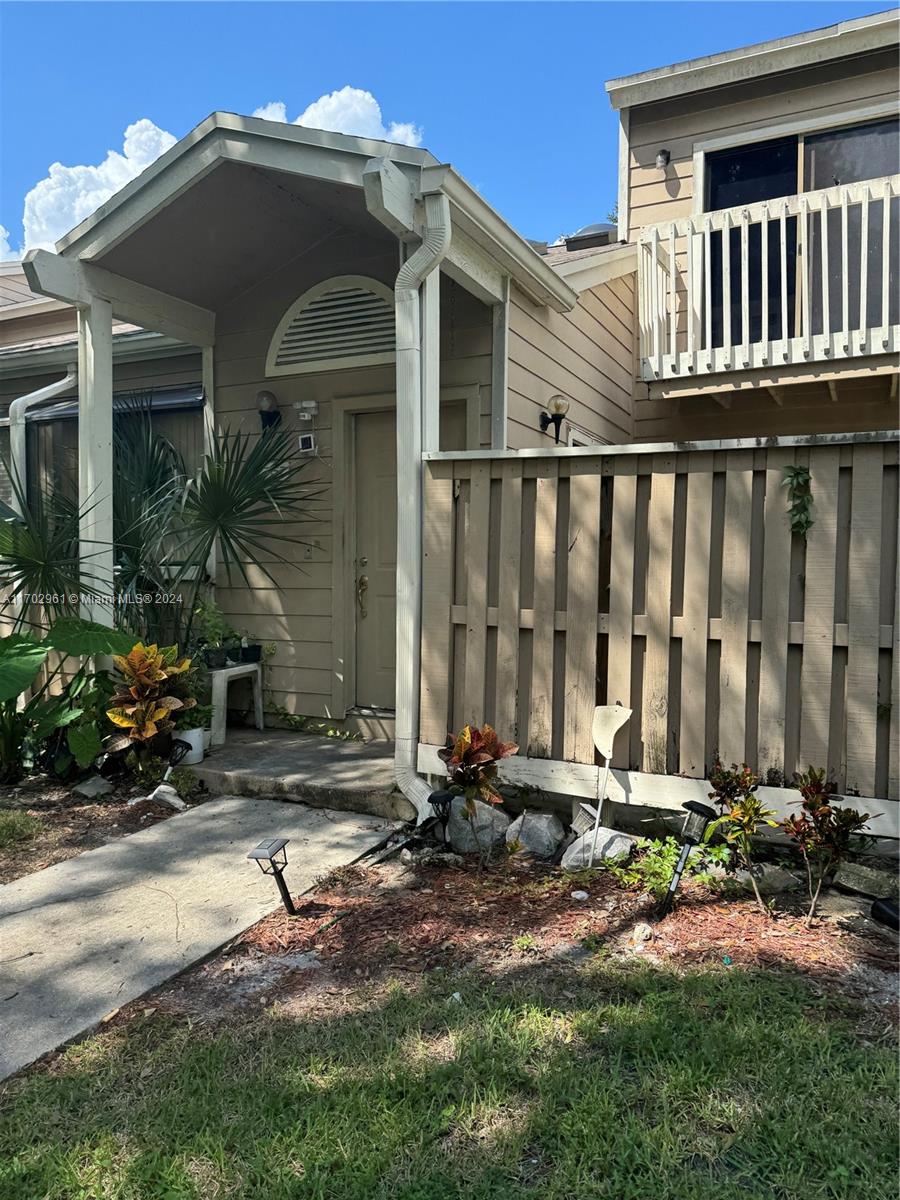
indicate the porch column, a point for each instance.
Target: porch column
{"x":431,"y":361}
{"x":95,"y":454}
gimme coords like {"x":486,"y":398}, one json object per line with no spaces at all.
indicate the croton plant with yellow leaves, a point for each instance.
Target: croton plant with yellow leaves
{"x":146,"y":695}
{"x":471,"y":758}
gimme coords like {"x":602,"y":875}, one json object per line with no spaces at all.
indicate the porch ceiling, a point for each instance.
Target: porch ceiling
{"x":234,"y":226}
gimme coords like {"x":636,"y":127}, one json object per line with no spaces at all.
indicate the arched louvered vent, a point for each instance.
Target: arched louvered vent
{"x":347,"y":321}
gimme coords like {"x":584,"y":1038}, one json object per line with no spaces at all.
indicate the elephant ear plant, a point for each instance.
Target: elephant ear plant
{"x":31,"y":709}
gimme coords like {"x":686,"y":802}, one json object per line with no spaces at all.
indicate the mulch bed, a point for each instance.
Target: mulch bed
{"x":70,"y":823}
{"x":440,"y":917}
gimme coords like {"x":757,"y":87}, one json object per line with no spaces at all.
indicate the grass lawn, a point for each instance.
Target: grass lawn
{"x":627,"y":1081}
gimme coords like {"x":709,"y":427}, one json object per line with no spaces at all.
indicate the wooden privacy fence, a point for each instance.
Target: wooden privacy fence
{"x":668,"y":579}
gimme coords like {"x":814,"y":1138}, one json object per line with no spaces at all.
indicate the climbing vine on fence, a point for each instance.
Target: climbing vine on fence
{"x":798,"y":483}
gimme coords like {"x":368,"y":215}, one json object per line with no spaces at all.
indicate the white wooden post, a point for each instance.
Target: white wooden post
{"x":95,"y":455}
{"x":431,"y":362}
{"x":499,"y":371}
{"x":209,"y":432}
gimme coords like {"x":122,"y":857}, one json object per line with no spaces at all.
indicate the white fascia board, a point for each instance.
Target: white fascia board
{"x":483,"y":225}
{"x":877,"y":32}
{"x":221,"y":136}
{"x":133,"y":346}
{"x":584,"y":273}
{"x":81,"y":283}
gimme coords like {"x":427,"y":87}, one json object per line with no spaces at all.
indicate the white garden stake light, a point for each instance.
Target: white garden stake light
{"x":608,"y":720}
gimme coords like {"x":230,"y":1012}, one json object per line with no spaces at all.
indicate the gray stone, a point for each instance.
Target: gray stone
{"x":485,"y":829}
{"x":870,"y":881}
{"x":642,"y":933}
{"x":610,"y":844}
{"x":770,"y":879}
{"x":536,"y":833}
{"x":93,"y":787}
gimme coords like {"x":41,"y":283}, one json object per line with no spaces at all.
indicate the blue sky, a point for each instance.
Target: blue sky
{"x":511,"y":93}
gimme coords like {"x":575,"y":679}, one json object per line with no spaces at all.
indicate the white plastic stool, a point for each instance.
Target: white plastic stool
{"x":220,"y":680}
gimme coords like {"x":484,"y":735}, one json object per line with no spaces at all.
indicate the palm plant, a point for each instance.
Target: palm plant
{"x":39,"y":555}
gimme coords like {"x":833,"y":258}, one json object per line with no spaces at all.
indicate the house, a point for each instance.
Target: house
{"x":748,"y":306}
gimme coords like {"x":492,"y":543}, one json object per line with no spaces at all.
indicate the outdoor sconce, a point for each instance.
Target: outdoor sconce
{"x":272,"y":859}
{"x":695,"y":823}
{"x":269,"y":414}
{"x":663,"y":158}
{"x":557,"y":407}
{"x":441,"y":802}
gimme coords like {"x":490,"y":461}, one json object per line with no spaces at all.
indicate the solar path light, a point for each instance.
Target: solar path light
{"x":695,"y":823}
{"x":272,"y":859}
{"x":442,"y":802}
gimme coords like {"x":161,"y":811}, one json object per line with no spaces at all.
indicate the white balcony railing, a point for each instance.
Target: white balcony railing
{"x":806,"y":278}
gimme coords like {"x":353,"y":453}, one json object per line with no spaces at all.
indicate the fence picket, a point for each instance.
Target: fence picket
{"x":583,"y":580}
{"x":775,"y":598}
{"x":818,"y":615}
{"x":621,"y":598}
{"x":477,"y":534}
{"x":735,"y":607}
{"x":540,"y":725}
{"x":695,"y":634}
{"x":508,"y":608}
{"x":862,"y":617}
{"x":655,"y":693}
{"x":437,"y":632}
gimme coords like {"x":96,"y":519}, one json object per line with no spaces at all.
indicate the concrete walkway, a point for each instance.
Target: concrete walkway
{"x":85,"y":936}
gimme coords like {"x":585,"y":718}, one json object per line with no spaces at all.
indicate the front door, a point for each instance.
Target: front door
{"x":376,"y":558}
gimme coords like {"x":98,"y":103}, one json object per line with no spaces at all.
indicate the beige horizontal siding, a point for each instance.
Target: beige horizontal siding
{"x":677,"y":125}
{"x":586,"y":354}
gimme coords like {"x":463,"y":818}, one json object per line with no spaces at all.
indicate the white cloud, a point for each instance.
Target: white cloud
{"x":349,"y":110}
{"x":69,"y":194}
{"x":7,"y":254}
{"x":275,"y":110}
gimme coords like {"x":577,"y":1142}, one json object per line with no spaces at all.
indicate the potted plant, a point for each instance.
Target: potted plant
{"x":213,"y":635}
{"x":251,"y":651}
{"x":192,"y":726}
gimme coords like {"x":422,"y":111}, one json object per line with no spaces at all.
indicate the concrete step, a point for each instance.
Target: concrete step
{"x":318,"y":771}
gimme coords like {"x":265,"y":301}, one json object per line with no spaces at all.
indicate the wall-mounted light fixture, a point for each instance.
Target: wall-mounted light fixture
{"x":557,"y":407}
{"x":663,"y":158}
{"x":269,"y":413}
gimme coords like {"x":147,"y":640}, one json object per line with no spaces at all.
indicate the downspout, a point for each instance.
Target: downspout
{"x":435,"y":243}
{"x":18,"y":410}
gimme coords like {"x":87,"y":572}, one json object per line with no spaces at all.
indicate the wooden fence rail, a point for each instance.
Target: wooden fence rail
{"x":670,"y":581}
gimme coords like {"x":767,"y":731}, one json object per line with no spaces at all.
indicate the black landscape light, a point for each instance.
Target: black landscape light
{"x":695,"y":823}
{"x":442,"y":802}
{"x":272,"y":859}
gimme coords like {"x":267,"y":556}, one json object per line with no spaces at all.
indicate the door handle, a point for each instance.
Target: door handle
{"x":362,"y":586}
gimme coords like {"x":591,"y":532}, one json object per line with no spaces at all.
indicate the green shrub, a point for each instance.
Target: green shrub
{"x":652,"y":867}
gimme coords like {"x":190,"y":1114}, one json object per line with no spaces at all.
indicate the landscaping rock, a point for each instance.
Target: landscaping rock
{"x":487,"y":822}
{"x":770,"y":879}
{"x":536,"y":833}
{"x":610,"y":844}
{"x":93,"y":788}
{"x":869,"y":881}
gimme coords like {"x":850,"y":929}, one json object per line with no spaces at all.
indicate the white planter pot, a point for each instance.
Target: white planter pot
{"x":194,"y":738}
{"x":207,"y":738}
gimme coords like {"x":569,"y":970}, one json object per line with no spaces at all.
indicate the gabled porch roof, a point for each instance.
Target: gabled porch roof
{"x":211,"y":216}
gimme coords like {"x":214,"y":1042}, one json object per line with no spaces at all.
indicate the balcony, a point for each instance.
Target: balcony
{"x":811,"y":278}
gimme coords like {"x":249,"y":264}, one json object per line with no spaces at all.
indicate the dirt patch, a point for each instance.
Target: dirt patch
{"x":69,"y":824}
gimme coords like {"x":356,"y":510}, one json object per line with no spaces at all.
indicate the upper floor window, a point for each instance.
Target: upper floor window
{"x":787,"y":166}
